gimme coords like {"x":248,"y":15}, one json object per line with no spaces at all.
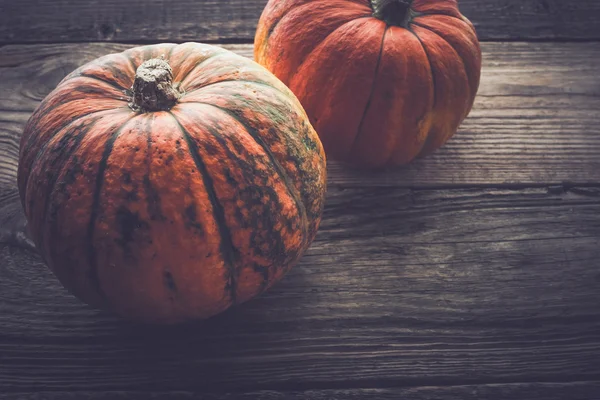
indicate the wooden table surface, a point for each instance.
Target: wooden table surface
{"x":472,"y":274}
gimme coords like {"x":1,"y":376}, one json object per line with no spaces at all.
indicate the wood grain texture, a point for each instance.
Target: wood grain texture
{"x":546,"y":391}
{"x":472,"y":274}
{"x":32,"y":21}
{"x":402,"y":288}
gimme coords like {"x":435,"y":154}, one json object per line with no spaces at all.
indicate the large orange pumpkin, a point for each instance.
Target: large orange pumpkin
{"x":383,"y":81}
{"x":196,"y":189}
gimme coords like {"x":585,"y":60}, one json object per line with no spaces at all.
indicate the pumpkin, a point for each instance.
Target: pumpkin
{"x":170,"y":182}
{"x":383,"y":81}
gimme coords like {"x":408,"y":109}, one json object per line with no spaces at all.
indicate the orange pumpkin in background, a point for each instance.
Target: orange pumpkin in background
{"x":383,"y":81}
{"x":170,"y":189}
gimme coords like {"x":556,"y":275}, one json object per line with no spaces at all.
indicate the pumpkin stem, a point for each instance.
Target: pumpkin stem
{"x":153,"y":87}
{"x":393,"y":12}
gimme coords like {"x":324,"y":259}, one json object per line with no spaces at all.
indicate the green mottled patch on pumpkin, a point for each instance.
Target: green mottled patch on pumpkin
{"x":309,"y":143}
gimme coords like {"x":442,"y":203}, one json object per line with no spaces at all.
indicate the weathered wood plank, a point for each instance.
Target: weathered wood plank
{"x":32,"y":21}
{"x":401,"y":288}
{"x":519,"y":391}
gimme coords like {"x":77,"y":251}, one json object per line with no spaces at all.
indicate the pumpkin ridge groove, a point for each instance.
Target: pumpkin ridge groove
{"x":433,"y":14}
{"x":280,"y":171}
{"x":227,"y":248}
{"x":184,"y":56}
{"x":54,"y":179}
{"x":147,"y":54}
{"x":462,"y":60}
{"x":91,"y":250}
{"x":370,"y":98}
{"x":227,"y":81}
{"x":181,"y":81}
{"x":168,"y":60}
{"x":131,"y":63}
{"x":263,"y":270}
{"x":274,"y":25}
{"x":429,"y":138}
{"x":60,"y":129}
{"x":170,"y":52}
{"x":114,"y":70}
{"x":317,"y":45}
{"x":95,"y":78}
{"x":153,"y":203}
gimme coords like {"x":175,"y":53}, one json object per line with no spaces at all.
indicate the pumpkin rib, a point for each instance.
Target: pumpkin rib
{"x":182,"y":80}
{"x":227,"y":248}
{"x":56,"y":173}
{"x":154,"y":204}
{"x":317,"y":45}
{"x":429,"y":136}
{"x":130,"y":60}
{"x":95,"y":78}
{"x":276,"y":23}
{"x":147,"y":53}
{"x":421,"y":118}
{"x":365,"y":3}
{"x":462,"y":60}
{"x":276,"y":164}
{"x":131,"y":53}
{"x":473,"y":86}
{"x":189,"y":48}
{"x":151,"y":51}
{"x":91,"y":251}
{"x":419,"y":15}
{"x":369,"y":100}
{"x":105,"y":61}
{"x":60,"y":129}
{"x":231,"y":80}
{"x":48,"y":229}
{"x":27,"y":141}
{"x":270,"y":197}
{"x":170,"y":53}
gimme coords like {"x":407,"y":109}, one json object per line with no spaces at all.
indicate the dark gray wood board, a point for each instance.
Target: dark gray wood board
{"x":546,"y":391}
{"x":401,"y":288}
{"x":34,"y":21}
